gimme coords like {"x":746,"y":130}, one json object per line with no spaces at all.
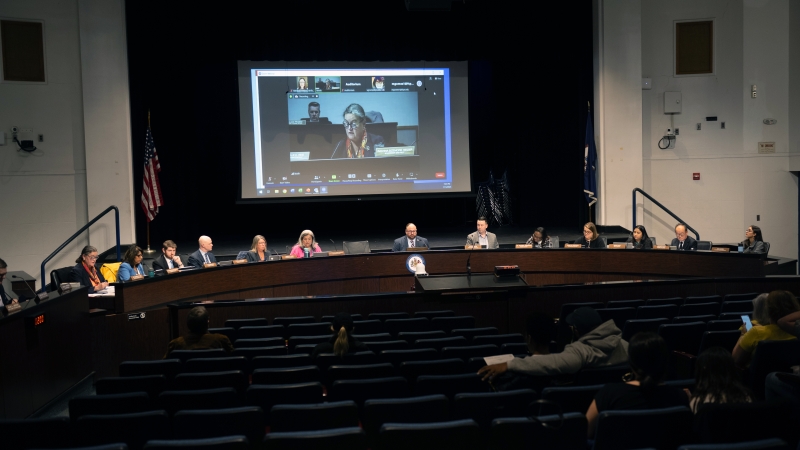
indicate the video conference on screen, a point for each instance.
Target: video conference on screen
{"x":355,"y":131}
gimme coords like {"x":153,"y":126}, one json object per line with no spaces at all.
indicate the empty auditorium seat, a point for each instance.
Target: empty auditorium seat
{"x":383,"y":317}
{"x":740,"y":297}
{"x":277,"y":362}
{"x":567,"y":308}
{"x":253,"y":352}
{"x":210,"y":380}
{"x":470,"y":333}
{"x":359,"y":372}
{"x":253,"y":332}
{"x":51,"y":432}
{"x":687,"y":319}
{"x":286,"y":375}
{"x":133,"y":402}
{"x":132,"y":429}
{"x":183,"y":355}
{"x":413,"y":369}
{"x":563,"y":432}
{"x":601,"y":375}
{"x":259,"y":342}
{"x":450,"y":385}
{"x":440,"y":343}
{"x":424,"y":409}
{"x":683,"y":337}
{"x":218,"y":443}
{"x":151,"y":384}
{"x":664,"y":428}
{"x":174,"y":401}
{"x":325,"y":360}
{"x":379,"y":346}
{"x":475,"y":363}
{"x":312,"y":417}
{"x":216,"y":364}
{"x":303,"y":349}
{"x":286,"y":321}
{"x":238,"y":323}
{"x":448,"y":324}
{"x":396,"y":326}
{"x":763,"y":444}
{"x":698,"y":309}
{"x":413,"y":336}
{"x":245,"y":421}
{"x":373,"y":326}
{"x":307,"y":340}
{"x":724,"y":325}
{"x":498,"y":339}
{"x":355,"y":317}
{"x":267,"y":396}
{"x":624,"y":303}
{"x":230,"y":332}
{"x":618,"y":315}
{"x":744,"y":306}
{"x":432,"y":314}
{"x":353,"y":438}
{"x":677,"y":301}
{"x":733,"y":316}
{"x":726,"y":339}
{"x":772,"y":356}
{"x":362,"y":390}
{"x":166,"y":367}
{"x":467,"y":352}
{"x":309,"y":329}
{"x":656,"y":312}
{"x":485,"y":407}
{"x":514,"y":349}
{"x":377,"y":337}
{"x":458,"y":434}
{"x":639,"y":325}
{"x":703,"y":299}
{"x":572,"y":398}
{"x":396,"y":357}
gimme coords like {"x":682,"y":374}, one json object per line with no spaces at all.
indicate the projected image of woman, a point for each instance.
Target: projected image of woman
{"x":301,"y":83}
{"x":359,"y":143}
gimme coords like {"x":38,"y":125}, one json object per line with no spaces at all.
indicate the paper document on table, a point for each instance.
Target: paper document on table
{"x":498,"y":359}
{"x":107,"y":292}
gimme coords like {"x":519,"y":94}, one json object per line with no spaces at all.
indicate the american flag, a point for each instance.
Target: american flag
{"x":151,"y":187}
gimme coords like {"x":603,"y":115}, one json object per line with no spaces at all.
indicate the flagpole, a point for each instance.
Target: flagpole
{"x":148,"y":251}
{"x":589,"y":111}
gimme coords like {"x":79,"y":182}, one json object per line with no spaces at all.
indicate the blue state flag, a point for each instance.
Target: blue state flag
{"x":590,"y":164}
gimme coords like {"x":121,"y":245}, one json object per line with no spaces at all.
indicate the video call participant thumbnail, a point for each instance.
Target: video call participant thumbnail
{"x":359,"y":143}
{"x":314,"y":112}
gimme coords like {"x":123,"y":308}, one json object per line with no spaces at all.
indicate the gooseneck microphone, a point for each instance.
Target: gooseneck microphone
{"x":36,"y":298}
{"x":334,"y":150}
{"x":334,"y":244}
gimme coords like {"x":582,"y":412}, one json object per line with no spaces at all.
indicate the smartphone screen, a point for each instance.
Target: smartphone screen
{"x":747,"y":323}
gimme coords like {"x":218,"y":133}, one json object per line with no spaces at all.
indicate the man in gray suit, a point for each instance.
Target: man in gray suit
{"x":410,"y":240}
{"x":482,"y":237}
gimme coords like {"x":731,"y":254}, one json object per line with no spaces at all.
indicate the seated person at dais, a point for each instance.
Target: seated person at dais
{"x":410,"y":240}
{"x":597,"y":344}
{"x":640,"y":239}
{"x":203,"y":255}
{"x":168,"y":258}
{"x":359,"y":143}
{"x":717,"y":380}
{"x":754,"y":241}
{"x":198,"y":337}
{"x":540,"y":239}
{"x":85,"y":271}
{"x":307,"y":241}
{"x":258,"y":250}
{"x":590,"y":238}
{"x":5,"y":298}
{"x":131,"y":264}
{"x":779,"y":305}
{"x":682,"y":239}
{"x":644,"y":387}
{"x":482,"y":238}
{"x":342,"y":341}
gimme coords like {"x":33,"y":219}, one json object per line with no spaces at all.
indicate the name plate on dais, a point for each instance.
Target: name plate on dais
{"x":239,"y":261}
{"x":336,"y":253}
{"x":720,"y":249}
{"x":617,"y":246}
{"x":572,"y":245}
{"x":13,"y":308}
{"x":209,"y":265}
{"x":523,"y":246}
{"x":173,"y":270}
{"x":137,"y":277}
{"x":288,"y":257}
{"x":661,"y":247}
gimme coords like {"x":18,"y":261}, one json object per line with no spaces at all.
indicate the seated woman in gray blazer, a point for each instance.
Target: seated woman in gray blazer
{"x":754,"y":242}
{"x":640,"y":239}
{"x":258,"y":250}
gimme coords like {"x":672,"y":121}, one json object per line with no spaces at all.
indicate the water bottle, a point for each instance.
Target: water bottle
{"x":306,"y":253}
{"x":741,"y":248}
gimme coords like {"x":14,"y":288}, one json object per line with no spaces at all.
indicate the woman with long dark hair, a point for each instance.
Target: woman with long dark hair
{"x":342,"y":341}
{"x":640,"y":239}
{"x":754,"y":241}
{"x":131,"y":264}
{"x":717,"y":380}
{"x":643,"y":387}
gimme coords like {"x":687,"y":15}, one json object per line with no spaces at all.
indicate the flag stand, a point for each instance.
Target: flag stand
{"x":148,"y":251}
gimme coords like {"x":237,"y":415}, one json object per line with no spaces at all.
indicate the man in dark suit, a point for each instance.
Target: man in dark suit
{"x":410,"y":240}
{"x":168,"y":258}
{"x":5,"y":298}
{"x":682,"y":240}
{"x":203,"y":255}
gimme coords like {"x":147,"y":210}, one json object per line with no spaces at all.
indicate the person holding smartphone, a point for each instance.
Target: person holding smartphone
{"x":779,"y":305}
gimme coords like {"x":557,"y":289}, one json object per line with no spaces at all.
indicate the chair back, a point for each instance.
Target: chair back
{"x":174,"y":401}
{"x":254,"y":322}
{"x":362,"y":390}
{"x":772,"y":356}
{"x":245,"y":421}
{"x":665,"y":428}
{"x":458,"y":434}
{"x":353,"y":438}
{"x":355,"y":247}
{"x":319,"y":416}
{"x":432,"y":314}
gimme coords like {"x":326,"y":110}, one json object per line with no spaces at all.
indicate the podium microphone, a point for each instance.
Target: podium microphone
{"x":334,"y":244}
{"x":36,"y":297}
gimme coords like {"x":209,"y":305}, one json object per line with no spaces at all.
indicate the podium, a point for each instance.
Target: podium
{"x":464,"y":284}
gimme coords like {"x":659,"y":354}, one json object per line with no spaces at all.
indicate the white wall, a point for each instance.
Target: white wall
{"x":45,"y":194}
{"x":754,"y":44}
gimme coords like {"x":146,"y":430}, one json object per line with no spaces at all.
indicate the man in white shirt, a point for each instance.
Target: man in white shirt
{"x":482,"y":238}
{"x":203,"y":255}
{"x":410,"y":240}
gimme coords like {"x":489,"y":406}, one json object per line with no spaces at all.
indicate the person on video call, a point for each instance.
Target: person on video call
{"x":482,"y":238}
{"x":359,"y":143}
{"x":377,"y":83}
{"x":314,"y":114}
{"x":301,"y":84}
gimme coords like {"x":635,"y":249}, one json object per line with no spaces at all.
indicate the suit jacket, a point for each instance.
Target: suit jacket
{"x":4,"y":297}
{"x":597,"y":243}
{"x":757,"y":247}
{"x":125,"y":271}
{"x":253,"y":256}
{"x":400,"y":244}
{"x":196,"y":259}
{"x":79,"y":275}
{"x":160,"y":263}
{"x":472,"y":239}
{"x":689,"y":244}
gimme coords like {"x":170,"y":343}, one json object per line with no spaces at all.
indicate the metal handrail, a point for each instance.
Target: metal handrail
{"x":77,"y":233}
{"x":635,"y":190}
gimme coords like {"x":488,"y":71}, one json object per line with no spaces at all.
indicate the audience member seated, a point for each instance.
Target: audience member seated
{"x":640,"y":239}
{"x":682,"y":239}
{"x":198,"y":337}
{"x":540,"y":239}
{"x":410,"y":240}
{"x":342,"y":340}
{"x":168,"y":258}
{"x":717,"y":380}
{"x":648,"y":356}
{"x":203,"y":255}
{"x":598,"y":344}
{"x":590,"y":238}
{"x":306,"y":241}
{"x":539,"y":330}
{"x":753,"y":241}
{"x":779,"y":305}
{"x":790,"y":323}
{"x":131,"y":264}
{"x":86,"y":273}
{"x":783,"y":387}
{"x":258,"y":250}
{"x":5,"y":298}
{"x":760,"y":313}
{"x":482,"y":238}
